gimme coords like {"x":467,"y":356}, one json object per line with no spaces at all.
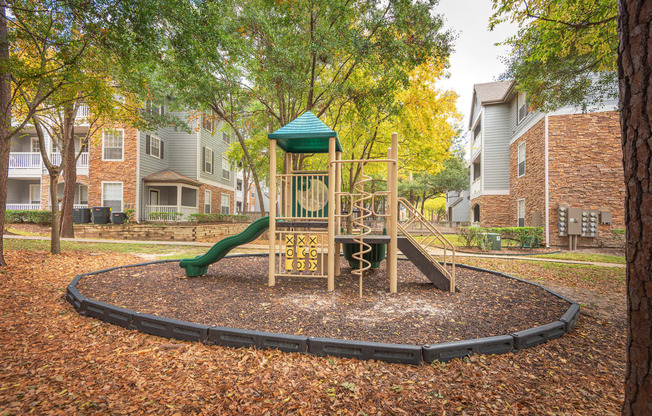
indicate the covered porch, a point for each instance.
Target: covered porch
{"x":169,"y":196}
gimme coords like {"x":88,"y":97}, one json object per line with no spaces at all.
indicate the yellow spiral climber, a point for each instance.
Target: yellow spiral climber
{"x":361,"y":196}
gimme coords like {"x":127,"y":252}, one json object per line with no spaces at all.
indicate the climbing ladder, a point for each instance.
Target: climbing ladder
{"x":417,"y":251}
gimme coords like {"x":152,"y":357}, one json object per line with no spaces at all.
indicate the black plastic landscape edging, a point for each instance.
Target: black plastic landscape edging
{"x":318,"y":346}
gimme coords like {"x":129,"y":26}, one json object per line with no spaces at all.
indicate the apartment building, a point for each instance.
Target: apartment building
{"x":528,"y":166}
{"x":163,"y":171}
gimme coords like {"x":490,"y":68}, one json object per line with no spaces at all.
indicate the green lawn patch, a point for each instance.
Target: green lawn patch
{"x":597,"y":258}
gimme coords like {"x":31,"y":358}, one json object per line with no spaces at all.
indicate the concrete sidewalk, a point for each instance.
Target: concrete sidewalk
{"x":252,"y":246}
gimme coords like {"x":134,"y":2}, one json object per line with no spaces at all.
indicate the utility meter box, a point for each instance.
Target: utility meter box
{"x":575,"y":221}
{"x":605,"y":217}
{"x":589,"y":223}
{"x":562,"y":220}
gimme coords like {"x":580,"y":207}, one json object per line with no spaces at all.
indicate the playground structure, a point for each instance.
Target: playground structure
{"x":307,"y":219}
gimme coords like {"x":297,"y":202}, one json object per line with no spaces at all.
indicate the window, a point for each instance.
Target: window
{"x":112,"y":145}
{"x":521,"y":106}
{"x":226,"y":138}
{"x":226,"y":202}
{"x":55,"y":148}
{"x":35,"y":194}
{"x":82,"y":193}
{"x":208,"y":160}
{"x":207,"y":121}
{"x":208,"y":195}
{"x":521,"y":212}
{"x":253,"y":192}
{"x":521,"y":159}
{"x":239,"y":185}
{"x":112,"y":195}
{"x":477,"y":130}
{"x":226,"y":168}
{"x":238,"y":207}
{"x":154,"y":146}
{"x":35,"y":147}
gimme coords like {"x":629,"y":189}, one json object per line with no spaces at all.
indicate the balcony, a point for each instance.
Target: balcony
{"x":25,"y":163}
{"x":82,"y":162}
{"x":476,"y":187}
{"x":23,"y":207}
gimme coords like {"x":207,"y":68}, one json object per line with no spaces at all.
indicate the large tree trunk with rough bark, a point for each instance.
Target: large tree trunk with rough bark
{"x":635,"y":78}
{"x":5,"y":122}
{"x":69,"y":165}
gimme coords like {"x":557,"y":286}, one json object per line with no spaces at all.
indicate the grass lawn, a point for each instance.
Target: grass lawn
{"x":58,"y":362}
{"x":593,"y":257}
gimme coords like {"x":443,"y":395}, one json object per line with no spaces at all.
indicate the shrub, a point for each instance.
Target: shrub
{"x":129,"y":215}
{"x":164,"y":216}
{"x":469,"y":235}
{"x":41,"y":217}
{"x":520,"y":236}
{"x":215,"y":217}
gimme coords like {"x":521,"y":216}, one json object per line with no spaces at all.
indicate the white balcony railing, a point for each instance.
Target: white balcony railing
{"x":168,"y":212}
{"x":82,"y":162}
{"x":82,"y":111}
{"x":24,"y":160}
{"x":23,"y":207}
{"x":476,"y":187}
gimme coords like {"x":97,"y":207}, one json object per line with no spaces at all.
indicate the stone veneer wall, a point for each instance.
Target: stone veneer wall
{"x":494,"y":211}
{"x":113,"y":171}
{"x":159,"y":232}
{"x":585,"y":170}
{"x":530,"y":186}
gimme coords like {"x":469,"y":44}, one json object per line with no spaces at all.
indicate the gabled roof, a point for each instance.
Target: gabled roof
{"x":305,"y":134}
{"x":490,"y":93}
{"x":170,"y":176}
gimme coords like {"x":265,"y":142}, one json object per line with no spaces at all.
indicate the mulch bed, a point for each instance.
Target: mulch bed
{"x":235,"y":294}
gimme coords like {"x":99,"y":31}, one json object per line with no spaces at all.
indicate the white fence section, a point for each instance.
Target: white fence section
{"x":24,"y":160}
{"x":168,"y":212}
{"x":82,"y":162}
{"x":24,"y":207}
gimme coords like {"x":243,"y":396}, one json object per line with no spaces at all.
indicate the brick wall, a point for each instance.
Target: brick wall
{"x":216,"y":198}
{"x":45,"y":188}
{"x":113,"y":171}
{"x":494,"y":210}
{"x":585,"y":170}
{"x":531,"y":186}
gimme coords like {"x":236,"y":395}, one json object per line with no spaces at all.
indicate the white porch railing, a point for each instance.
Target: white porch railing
{"x":82,"y":111}
{"x":168,"y":212}
{"x":75,"y":206}
{"x":82,"y":162}
{"x":476,"y":187}
{"x":24,"y":160}
{"x":23,"y":207}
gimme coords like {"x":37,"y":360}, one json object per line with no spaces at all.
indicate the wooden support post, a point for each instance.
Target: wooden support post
{"x":272,"y":213}
{"x":287,"y":191}
{"x":392,"y":259}
{"x":331,"y":216}
{"x":338,"y":211}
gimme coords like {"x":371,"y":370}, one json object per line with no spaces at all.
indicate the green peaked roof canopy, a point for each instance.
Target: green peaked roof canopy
{"x":305,"y":134}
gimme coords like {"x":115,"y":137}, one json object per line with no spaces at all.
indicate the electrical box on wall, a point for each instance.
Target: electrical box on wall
{"x":574,"y":221}
{"x":589,"y":223}
{"x":562,"y":220}
{"x":605,"y":217}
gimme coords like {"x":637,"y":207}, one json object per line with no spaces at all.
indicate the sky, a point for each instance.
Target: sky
{"x":476,"y":59}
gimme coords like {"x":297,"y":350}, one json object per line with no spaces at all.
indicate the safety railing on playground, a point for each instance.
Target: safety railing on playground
{"x":434,"y":236}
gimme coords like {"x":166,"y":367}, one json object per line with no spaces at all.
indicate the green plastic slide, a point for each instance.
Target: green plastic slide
{"x":198,"y":266}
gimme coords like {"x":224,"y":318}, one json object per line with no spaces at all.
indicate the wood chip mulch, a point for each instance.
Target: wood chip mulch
{"x":235,"y":294}
{"x":54,"y":361}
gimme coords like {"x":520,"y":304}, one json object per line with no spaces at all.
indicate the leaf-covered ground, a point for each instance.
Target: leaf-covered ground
{"x":53,"y":361}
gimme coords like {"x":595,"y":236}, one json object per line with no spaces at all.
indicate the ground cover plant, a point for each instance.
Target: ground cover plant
{"x":55,"y":361}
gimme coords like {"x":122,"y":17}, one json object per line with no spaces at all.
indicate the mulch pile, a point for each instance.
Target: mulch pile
{"x":235,"y":294}
{"x":55,"y":361}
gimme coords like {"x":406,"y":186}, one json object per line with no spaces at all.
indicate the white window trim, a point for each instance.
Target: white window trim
{"x":212,"y":159}
{"x":518,"y":159}
{"x":151,"y":147}
{"x":519,"y":119}
{"x":208,"y":195}
{"x":149,"y":196}
{"x":31,"y":186}
{"x":122,"y":194}
{"x":228,"y":205}
{"x":31,"y":145}
{"x":518,"y":203}
{"x":123,"y":148}
{"x":225,"y":159}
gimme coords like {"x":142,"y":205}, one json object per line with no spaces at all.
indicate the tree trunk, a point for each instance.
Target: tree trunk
{"x":635,"y":79}
{"x":69,"y":165}
{"x":5,"y":123}
{"x":55,"y":241}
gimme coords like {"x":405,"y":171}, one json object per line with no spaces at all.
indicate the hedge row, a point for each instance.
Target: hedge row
{"x":521,"y":236}
{"x":215,"y":217}
{"x":43,"y":217}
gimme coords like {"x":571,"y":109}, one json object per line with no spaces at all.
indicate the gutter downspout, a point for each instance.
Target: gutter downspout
{"x":547,"y":189}
{"x":138,"y":190}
